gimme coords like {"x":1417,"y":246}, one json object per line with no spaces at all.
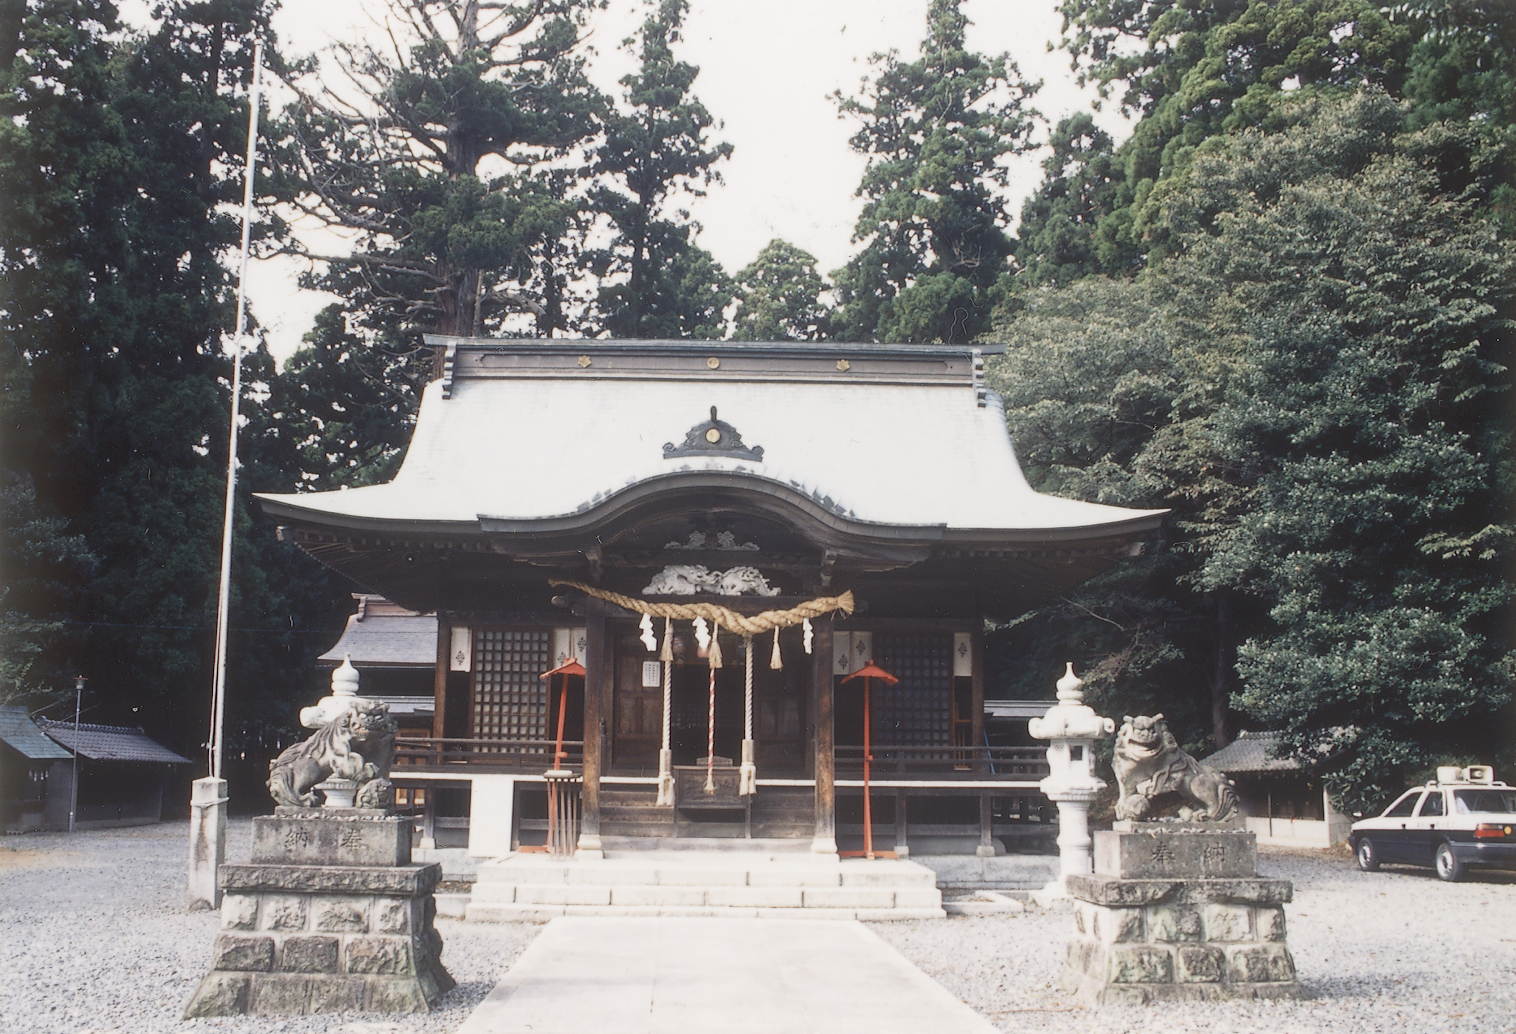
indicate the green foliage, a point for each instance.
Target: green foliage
{"x":1348,"y":442}
{"x":43,"y":570}
{"x":1088,"y":379}
{"x":1195,"y":70}
{"x":1317,"y":383}
{"x":443,"y":163}
{"x":340,"y":410}
{"x":779,"y":297}
{"x":936,"y":131}
{"x":1069,"y":227}
{"x":655,"y":148}
{"x":120,"y":177}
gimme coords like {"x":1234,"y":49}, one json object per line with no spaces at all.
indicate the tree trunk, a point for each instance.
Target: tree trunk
{"x":1221,"y":672}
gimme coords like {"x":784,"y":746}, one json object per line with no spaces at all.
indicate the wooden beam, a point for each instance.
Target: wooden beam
{"x":976,"y":700}
{"x":439,"y":678}
{"x":597,"y":680}
{"x":825,"y":841}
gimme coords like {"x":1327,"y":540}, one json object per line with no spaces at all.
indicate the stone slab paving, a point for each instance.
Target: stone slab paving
{"x":666,"y":975}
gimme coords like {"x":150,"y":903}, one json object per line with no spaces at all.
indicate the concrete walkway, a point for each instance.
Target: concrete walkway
{"x":733,"y":976}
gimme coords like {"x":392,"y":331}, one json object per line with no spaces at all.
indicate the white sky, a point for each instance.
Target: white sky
{"x":765,"y":72}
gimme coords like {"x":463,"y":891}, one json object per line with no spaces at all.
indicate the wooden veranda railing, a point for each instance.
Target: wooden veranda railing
{"x":533,"y":756}
{"x":966,"y":763}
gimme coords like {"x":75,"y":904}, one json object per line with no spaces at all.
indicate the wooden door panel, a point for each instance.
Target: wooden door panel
{"x":638,"y":710}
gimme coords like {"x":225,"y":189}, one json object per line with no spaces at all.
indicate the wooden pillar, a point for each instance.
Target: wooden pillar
{"x":902,"y":849}
{"x":439,"y":677}
{"x":428,"y":817}
{"x":977,"y":692}
{"x":825,"y":841}
{"x":597,"y":674}
{"x":986,"y":848}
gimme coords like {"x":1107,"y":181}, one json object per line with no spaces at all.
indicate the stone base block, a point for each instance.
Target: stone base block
{"x":298,"y":939}
{"x":1111,"y":890}
{"x":1139,"y":941}
{"x":234,"y":993}
{"x":1164,"y":854}
{"x":340,"y":836}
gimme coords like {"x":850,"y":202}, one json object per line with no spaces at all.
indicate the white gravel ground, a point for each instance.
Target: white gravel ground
{"x":94,"y":938}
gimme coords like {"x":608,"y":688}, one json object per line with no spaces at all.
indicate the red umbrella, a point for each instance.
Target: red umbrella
{"x":868,"y":673}
{"x":573,"y":667}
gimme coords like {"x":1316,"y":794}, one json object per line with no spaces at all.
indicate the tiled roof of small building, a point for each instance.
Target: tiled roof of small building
{"x":111,"y":743}
{"x":393,"y":638}
{"x":1249,"y":752}
{"x":20,"y":733}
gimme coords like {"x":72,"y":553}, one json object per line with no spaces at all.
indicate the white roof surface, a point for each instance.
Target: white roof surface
{"x":523,"y":448}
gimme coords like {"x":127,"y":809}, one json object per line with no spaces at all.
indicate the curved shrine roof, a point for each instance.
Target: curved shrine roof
{"x":530,"y":433}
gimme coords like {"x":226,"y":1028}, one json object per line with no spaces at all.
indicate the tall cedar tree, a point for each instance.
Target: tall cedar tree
{"x":120,"y":174}
{"x":933,"y":227}
{"x":779,"y":297}
{"x":1077,"y":222}
{"x":446,"y":162}
{"x":64,"y":167}
{"x":655,"y":149}
{"x":340,"y":411}
{"x":1316,"y":382}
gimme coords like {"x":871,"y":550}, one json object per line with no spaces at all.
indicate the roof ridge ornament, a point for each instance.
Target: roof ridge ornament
{"x":713,"y":437}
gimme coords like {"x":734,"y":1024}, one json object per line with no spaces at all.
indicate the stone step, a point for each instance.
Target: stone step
{"x":542,"y":913}
{"x":619,"y":846}
{"x":698,"y":896}
{"x":732,"y":883}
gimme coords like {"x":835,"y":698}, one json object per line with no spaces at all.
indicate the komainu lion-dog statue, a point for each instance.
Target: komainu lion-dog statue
{"x":359,"y":744}
{"x":1149,"y":763}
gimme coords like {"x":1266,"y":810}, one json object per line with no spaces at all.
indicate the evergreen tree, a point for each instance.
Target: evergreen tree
{"x":42,"y":572}
{"x":779,"y":297}
{"x":1345,"y":434}
{"x":443,"y":164}
{"x":1316,"y":383}
{"x":120,"y":173}
{"x":936,"y":131}
{"x":1089,"y":379}
{"x":1077,"y":221}
{"x":339,"y":412}
{"x":654,"y":150}
{"x":1195,"y":70}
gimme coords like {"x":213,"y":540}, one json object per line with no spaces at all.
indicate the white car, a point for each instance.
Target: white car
{"x":1464,"y":818}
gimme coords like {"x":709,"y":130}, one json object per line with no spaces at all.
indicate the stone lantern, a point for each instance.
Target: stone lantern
{"x":344,"y":693}
{"x":1071,"y":726}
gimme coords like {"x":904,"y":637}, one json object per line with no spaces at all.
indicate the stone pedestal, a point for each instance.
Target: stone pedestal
{"x":329,"y":916}
{"x":1177,"y":915}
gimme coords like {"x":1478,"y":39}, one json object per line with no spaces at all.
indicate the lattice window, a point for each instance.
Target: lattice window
{"x":917,"y":710}
{"x":510,"y":696}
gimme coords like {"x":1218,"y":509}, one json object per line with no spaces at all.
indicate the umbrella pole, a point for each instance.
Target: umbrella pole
{"x":563,"y":692}
{"x":868,"y":815}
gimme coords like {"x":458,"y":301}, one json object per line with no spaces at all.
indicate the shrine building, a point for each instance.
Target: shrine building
{"x":700,"y":544}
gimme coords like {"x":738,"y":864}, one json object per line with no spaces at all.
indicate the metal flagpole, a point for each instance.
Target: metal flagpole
{"x":218,"y":696}
{"x":208,"y":798}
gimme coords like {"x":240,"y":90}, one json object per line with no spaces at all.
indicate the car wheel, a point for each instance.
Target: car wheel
{"x":1448,"y":866}
{"x":1368,"y":855}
